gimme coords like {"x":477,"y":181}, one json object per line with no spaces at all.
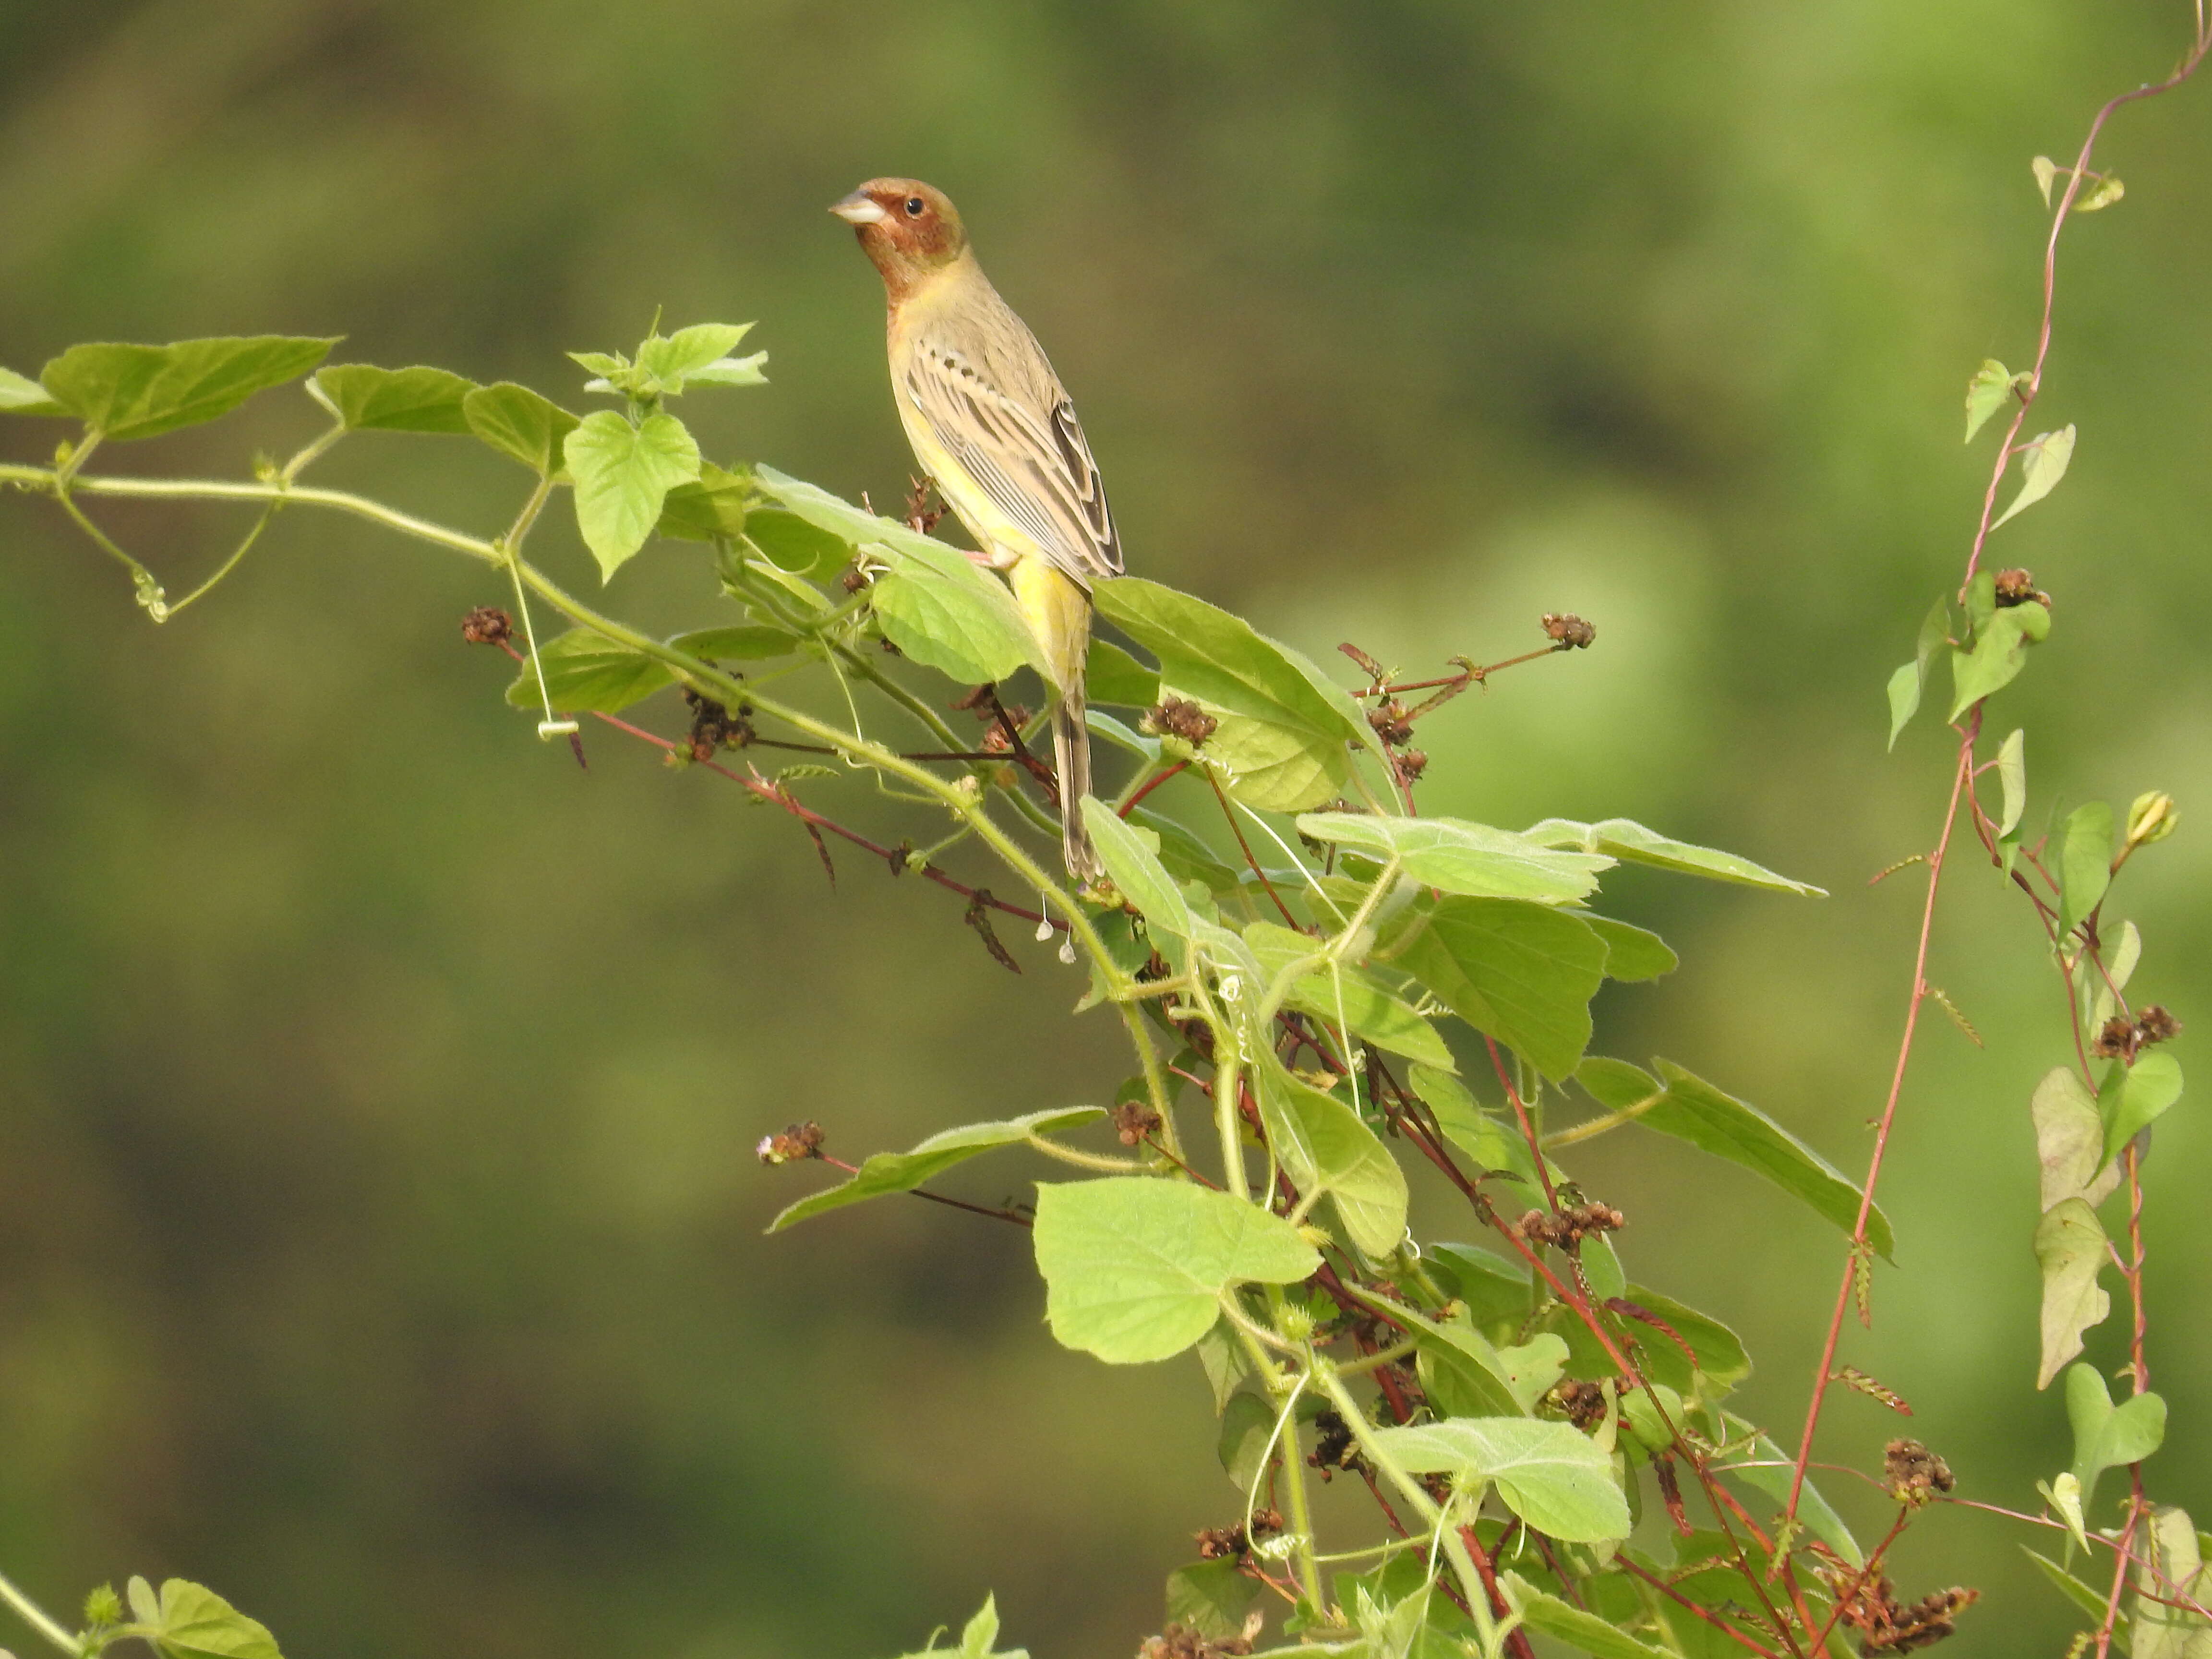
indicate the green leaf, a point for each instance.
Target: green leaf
{"x":2046,"y":171}
{"x":711,"y":508}
{"x":1693,"y":1110}
{"x":1496,"y":1290}
{"x":1115,"y":677}
{"x":2145,"y":1090}
{"x":2085,"y":863}
{"x":1631,"y":843}
{"x":1221,"y":1355}
{"x":586,"y":671}
{"x":1248,"y":1424}
{"x":796,"y":544}
{"x":1183,"y":853}
{"x":2090,"y":1601}
{"x":1211,"y":1597}
{"x":1722,"y":1360}
{"x":937,"y":623}
{"x":2070,"y":1140}
{"x":2161,"y":1630}
{"x":1492,"y":1144}
{"x":2069,"y":1248}
{"x":2012,"y":781}
{"x":623,"y":474}
{"x":1548,"y":1615}
{"x":693,"y":353}
{"x":2105,"y":1435}
{"x":749,"y":643}
{"x":371,"y":400}
{"x":2107,"y":191}
{"x":1551,"y":1475}
{"x":520,"y":424}
{"x":1346,"y":996}
{"x":195,"y":1623}
{"x":22,"y":395}
{"x":141,"y":390}
{"x":1323,"y":1145}
{"x":1631,"y":954}
{"x":2043,"y":462}
{"x":1986,"y":393}
{"x":1999,"y":653}
{"x":1522,"y":972}
{"x":978,"y":1639}
{"x":1135,"y":1269}
{"x":1602,"y":1267}
{"x":1906,"y":684}
{"x":1285,"y":727}
{"x":1459,"y":857}
{"x":901,"y":1172}
{"x":1134,"y":868}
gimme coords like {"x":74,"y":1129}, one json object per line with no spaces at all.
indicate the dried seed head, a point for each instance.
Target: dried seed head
{"x":1133,"y":1120}
{"x":1390,"y":721}
{"x":2115,"y":1039}
{"x":2155,"y":1024}
{"x":1179,"y":717}
{"x":2017,"y":586}
{"x":799,"y":1140}
{"x":487,"y":625}
{"x":1571,"y":631}
{"x":1912,"y":1473}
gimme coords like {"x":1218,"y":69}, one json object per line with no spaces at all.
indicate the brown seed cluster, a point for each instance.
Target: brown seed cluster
{"x":2121,"y":1038}
{"x":1582,"y":1402}
{"x":1334,"y":1447}
{"x":2017,"y":586}
{"x":487,"y":625}
{"x":1133,"y":1121}
{"x":1571,"y":631}
{"x":1216,"y":1542}
{"x":1885,"y":1627}
{"x":1181,"y":1643}
{"x":1912,"y":1473}
{"x":1572,"y":1225}
{"x":799,"y":1140}
{"x":714,"y":727}
{"x":1178,"y":717}
{"x":1390,"y":721}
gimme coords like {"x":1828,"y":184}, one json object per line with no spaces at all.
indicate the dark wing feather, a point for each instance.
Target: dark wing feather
{"x":1038,"y":473}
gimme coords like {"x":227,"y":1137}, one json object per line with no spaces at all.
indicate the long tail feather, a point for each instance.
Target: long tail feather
{"x":1071,"y":753}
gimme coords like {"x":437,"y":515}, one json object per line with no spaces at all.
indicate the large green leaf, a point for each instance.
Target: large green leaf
{"x":711,"y":508}
{"x":372,"y":399}
{"x":1347,"y":996}
{"x":795,"y":544}
{"x":744,"y":642}
{"x":1563,"y":1621}
{"x":1115,"y":677}
{"x":623,"y":473}
{"x":1211,"y":1597}
{"x":1631,"y":843}
{"x":1485,"y":1137}
{"x":700,"y":353}
{"x":2070,"y":1140}
{"x":1323,"y":1145}
{"x":1522,"y":973}
{"x":2135,"y":1096}
{"x":901,"y":1172}
{"x":141,"y":390}
{"x":2085,"y":862}
{"x":942,"y":610}
{"x":1998,"y":654}
{"x":2105,"y":1435}
{"x":520,"y":424}
{"x":1135,"y":1269}
{"x":1458,"y":857}
{"x":2070,"y":1249}
{"x":1132,"y":864}
{"x":189,"y":1621}
{"x":1551,"y":1475}
{"x":588,"y":673}
{"x":1633,"y":953}
{"x":1691,"y":1109}
{"x":1285,"y":727}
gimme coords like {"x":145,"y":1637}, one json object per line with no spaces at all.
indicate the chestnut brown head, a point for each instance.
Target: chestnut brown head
{"x":907,"y":227}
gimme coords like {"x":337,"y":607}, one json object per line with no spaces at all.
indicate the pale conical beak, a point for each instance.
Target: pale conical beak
{"x":859,"y":209}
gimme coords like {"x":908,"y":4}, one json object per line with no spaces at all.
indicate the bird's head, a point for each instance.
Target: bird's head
{"x":907,"y":227}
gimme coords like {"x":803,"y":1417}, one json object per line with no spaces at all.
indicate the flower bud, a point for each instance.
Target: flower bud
{"x":2152,"y":818}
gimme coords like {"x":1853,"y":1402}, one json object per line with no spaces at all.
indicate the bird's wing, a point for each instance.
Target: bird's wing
{"x":1038,"y":473}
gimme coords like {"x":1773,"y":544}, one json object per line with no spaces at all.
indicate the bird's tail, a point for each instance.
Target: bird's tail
{"x":1071,"y":754}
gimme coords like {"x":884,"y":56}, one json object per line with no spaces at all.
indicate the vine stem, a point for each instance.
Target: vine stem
{"x":1959,"y":774}
{"x":38,"y":1617}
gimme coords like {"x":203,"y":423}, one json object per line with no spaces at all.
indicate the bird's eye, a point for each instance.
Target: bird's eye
{"x":914,"y":207}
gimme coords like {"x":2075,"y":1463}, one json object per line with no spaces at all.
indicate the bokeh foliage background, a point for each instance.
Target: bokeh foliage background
{"x":379,"y":1237}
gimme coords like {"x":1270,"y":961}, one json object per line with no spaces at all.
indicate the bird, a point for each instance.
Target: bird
{"x":993,"y":428}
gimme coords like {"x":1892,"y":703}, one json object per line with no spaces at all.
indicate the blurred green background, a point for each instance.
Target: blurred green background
{"x":380,"y":1237}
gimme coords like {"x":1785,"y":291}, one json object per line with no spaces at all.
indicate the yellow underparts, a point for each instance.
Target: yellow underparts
{"x":1058,"y":613}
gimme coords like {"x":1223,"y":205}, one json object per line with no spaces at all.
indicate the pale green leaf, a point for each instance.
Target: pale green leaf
{"x":1346,"y":996}
{"x":2085,"y":863}
{"x":2105,"y":1435}
{"x":1771,"y":1473}
{"x":1549,"y":1473}
{"x":520,"y":424}
{"x":22,"y":395}
{"x":1132,"y":859}
{"x":711,"y":508}
{"x":141,"y":390}
{"x":2069,"y":1141}
{"x":2012,"y":781}
{"x":2044,"y":459}
{"x":1906,"y":684}
{"x":901,"y":1172}
{"x":744,"y":642}
{"x":797,"y":545}
{"x":587,"y":673}
{"x":1631,"y":954}
{"x":1248,"y":1427}
{"x":2175,"y":1562}
{"x":1563,"y":1621}
{"x":1459,"y":857}
{"x":688,"y":352}
{"x":623,"y":474}
{"x":2069,"y":1249}
{"x":1999,"y":653}
{"x":2089,"y":1602}
{"x":195,"y":1623}
{"x":1115,"y":677}
{"x":1522,"y":973}
{"x":2144,"y":1091}
{"x":2046,"y":173}
{"x":2106,"y":190}
{"x":1211,"y":1597}
{"x":1631,"y":843}
{"x":372,"y":399}
{"x":1323,"y":1146}
{"x":1135,"y":1269}
{"x":1986,"y":394}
